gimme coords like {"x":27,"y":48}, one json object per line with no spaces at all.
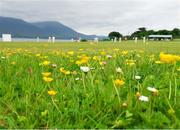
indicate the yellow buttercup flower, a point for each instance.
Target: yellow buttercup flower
{"x":169,"y":58}
{"x":78,"y":62}
{"x":62,"y":70}
{"x":47,"y":79}
{"x":130,"y":62}
{"x":103,"y":53}
{"x":138,"y":94}
{"x":52,"y":92}
{"x":45,"y":63}
{"x":46,"y":74}
{"x":119,"y":82}
{"x":97,"y":58}
{"x":83,"y":60}
{"x":70,"y":52}
{"x":124,"y":52}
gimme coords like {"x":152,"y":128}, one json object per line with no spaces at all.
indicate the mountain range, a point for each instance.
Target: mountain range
{"x":21,"y":29}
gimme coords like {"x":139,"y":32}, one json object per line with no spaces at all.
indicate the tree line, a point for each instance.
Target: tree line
{"x":143,"y":32}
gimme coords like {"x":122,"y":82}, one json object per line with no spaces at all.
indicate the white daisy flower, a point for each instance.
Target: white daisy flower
{"x":85,"y":69}
{"x":53,"y":65}
{"x":143,"y":98}
{"x":137,"y":77}
{"x":109,"y":56}
{"x":151,"y":89}
{"x":119,"y":70}
{"x":77,"y":78}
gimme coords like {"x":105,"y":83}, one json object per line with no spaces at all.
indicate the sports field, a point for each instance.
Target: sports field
{"x":88,"y":85}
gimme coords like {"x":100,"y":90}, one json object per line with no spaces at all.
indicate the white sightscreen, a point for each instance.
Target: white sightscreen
{"x":6,"y":37}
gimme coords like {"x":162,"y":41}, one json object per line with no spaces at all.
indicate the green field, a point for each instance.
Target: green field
{"x":122,"y":85}
{"x":169,"y":46}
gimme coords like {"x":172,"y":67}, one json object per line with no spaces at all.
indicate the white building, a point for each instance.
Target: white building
{"x":160,"y":37}
{"x":6,"y":38}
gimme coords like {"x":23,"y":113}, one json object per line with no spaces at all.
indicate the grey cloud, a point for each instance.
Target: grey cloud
{"x":97,"y":16}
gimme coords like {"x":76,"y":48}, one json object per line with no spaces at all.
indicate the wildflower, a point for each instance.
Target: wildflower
{"x":103,"y":53}
{"x":103,"y":63}
{"x":138,"y":94}
{"x":78,"y":62}
{"x":96,"y":58}
{"x":108,"y":56}
{"x":119,"y":70}
{"x":47,"y":79}
{"x":85,"y":69}
{"x":45,"y":63}
{"x":46,"y":74}
{"x":70,"y":52}
{"x":168,"y":58}
{"x":124,"y":52}
{"x":62,"y":70}
{"x":137,"y":77}
{"x":77,"y":78}
{"x":52,"y":92}
{"x":53,"y":65}
{"x":119,"y":82}
{"x":130,"y":62}
{"x":84,"y":59}
{"x":153,"y":90}
{"x":143,"y":98}
{"x":124,"y":104}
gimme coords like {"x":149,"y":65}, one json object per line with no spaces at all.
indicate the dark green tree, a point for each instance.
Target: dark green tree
{"x":176,"y":33}
{"x":114,"y":34}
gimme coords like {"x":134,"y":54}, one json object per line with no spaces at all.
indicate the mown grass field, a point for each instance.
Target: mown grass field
{"x":86,"y":85}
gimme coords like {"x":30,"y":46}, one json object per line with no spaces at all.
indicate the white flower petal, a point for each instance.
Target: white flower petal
{"x":84,"y":69}
{"x":137,"y":77}
{"x":144,"y":98}
{"x":119,"y":70}
{"x":151,"y":89}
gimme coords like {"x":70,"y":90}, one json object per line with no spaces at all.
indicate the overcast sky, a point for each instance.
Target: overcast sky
{"x":97,"y":16}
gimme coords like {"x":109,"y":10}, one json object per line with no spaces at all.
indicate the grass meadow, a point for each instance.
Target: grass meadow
{"x":87,"y":85}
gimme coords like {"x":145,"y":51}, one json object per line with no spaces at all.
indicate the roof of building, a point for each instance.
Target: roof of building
{"x":160,"y":36}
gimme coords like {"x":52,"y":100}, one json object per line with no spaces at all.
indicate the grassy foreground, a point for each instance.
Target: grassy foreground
{"x":86,"y":85}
